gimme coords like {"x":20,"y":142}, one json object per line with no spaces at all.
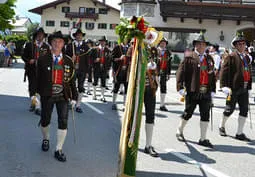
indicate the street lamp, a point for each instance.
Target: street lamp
{"x":131,"y":8}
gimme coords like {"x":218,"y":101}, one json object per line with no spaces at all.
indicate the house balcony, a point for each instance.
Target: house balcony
{"x":72,"y":15}
{"x":237,"y":10}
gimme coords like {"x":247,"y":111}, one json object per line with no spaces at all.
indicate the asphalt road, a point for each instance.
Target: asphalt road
{"x":98,"y":130}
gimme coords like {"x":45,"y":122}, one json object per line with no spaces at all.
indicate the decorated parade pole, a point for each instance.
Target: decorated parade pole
{"x":129,"y":140}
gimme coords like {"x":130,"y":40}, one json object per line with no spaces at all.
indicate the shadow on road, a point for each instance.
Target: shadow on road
{"x":157,"y":174}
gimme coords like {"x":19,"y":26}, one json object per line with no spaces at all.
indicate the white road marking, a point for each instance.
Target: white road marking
{"x":94,"y":108}
{"x":203,"y":166}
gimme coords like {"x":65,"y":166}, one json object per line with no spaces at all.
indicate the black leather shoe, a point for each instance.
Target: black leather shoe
{"x":60,"y":156}
{"x":32,"y":108}
{"x":150,"y":150}
{"x":114,"y":107}
{"x":79,"y":110}
{"x":205,"y":143}
{"x":180,"y":137}
{"x":45,"y":145}
{"x":163,"y":108}
{"x":222,"y":131}
{"x":38,"y":112}
{"x":242,"y":137}
{"x":103,"y":100}
{"x":89,"y":93}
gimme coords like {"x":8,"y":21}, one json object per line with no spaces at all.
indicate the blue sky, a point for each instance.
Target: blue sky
{"x":22,"y":7}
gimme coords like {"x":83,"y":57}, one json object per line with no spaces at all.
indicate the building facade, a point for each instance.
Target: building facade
{"x":94,"y":17}
{"x":20,"y":25}
{"x":220,"y":19}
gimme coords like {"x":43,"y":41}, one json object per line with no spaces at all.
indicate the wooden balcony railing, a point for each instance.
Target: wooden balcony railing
{"x":81,"y":15}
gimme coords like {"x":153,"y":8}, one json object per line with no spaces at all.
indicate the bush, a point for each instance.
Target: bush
{"x":19,"y":41}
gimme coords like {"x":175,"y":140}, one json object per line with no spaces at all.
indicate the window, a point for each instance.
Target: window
{"x":78,"y":26}
{"x":112,"y":26}
{"x":65,"y":9}
{"x":89,"y":26}
{"x":102,"y":11}
{"x":90,"y":10}
{"x":64,"y":24}
{"x":50,"y":23}
{"x":102,"y":26}
{"x":82,"y":10}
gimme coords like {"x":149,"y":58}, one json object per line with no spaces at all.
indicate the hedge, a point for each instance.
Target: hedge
{"x":19,"y":41}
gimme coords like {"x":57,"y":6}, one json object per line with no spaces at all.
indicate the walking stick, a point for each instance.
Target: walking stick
{"x":74,"y":129}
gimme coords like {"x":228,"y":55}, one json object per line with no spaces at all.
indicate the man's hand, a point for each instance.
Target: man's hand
{"x":182,"y":92}
{"x":97,"y":60}
{"x":74,"y":58}
{"x":73,"y":103}
{"x":227,"y":91}
{"x":32,"y":61}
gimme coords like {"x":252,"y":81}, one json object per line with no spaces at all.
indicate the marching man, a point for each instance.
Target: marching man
{"x":101,"y":67}
{"x":195,"y":78}
{"x":32,"y":51}
{"x":120,"y":70}
{"x":151,"y":85}
{"x":56,"y":86}
{"x":79,"y":51}
{"x":236,"y":83}
{"x":164,"y":70}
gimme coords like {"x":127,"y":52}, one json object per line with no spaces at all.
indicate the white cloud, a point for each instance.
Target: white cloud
{"x":44,"y":1}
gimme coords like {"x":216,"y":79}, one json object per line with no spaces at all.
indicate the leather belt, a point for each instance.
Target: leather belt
{"x":203,"y":89}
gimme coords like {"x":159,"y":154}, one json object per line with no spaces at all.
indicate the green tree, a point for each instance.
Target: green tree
{"x":30,"y":30}
{"x":7,"y":13}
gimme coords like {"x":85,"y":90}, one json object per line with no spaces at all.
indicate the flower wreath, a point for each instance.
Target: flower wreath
{"x":134,"y":28}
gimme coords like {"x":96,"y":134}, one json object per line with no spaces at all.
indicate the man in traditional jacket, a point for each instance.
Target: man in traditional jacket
{"x":79,"y":51}
{"x":120,"y":66}
{"x":32,"y":51}
{"x":92,"y":55}
{"x":101,"y":67}
{"x":151,"y":85}
{"x":164,"y":70}
{"x":236,"y":83}
{"x":56,"y":86}
{"x":195,"y":78}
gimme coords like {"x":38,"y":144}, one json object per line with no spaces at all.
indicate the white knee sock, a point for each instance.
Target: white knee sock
{"x":95,"y":91}
{"x":203,"y":129}
{"x":223,"y":121}
{"x":46,"y":132}
{"x":78,"y":104}
{"x":61,"y":136}
{"x":162,"y":99}
{"x":114,"y":96}
{"x":148,"y":132}
{"x":124,"y":99}
{"x":102,"y":91}
{"x":181,"y":126}
{"x":89,"y":85}
{"x":241,"y":122}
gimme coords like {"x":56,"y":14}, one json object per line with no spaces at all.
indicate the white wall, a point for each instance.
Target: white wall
{"x":213,"y":29}
{"x":57,"y":15}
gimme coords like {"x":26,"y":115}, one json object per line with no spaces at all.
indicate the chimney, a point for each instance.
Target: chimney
{"x":104,"y":1}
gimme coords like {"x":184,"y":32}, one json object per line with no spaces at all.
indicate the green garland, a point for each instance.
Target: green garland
{"x":129,"y":29}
